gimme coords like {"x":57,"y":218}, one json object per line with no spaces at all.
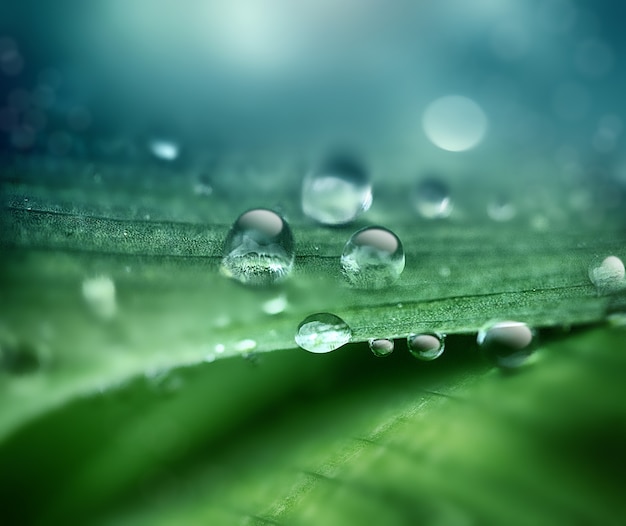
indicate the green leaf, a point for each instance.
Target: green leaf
{"x":132,"y":410}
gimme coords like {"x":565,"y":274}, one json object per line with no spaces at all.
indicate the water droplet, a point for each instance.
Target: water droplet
{"x":507,"y":344}
{"x":336,"y":192}
{"x":431,"y":199}
{"x":275,"y":305}
{"x":259,"y":249}
{"x":373,"y":258}
{"x":607,"y":274}
{"x":246,"y":345}
{"x":454,"y":123}
{"x":381,"y":346}
{"x":18,"y":356}
{"x":164,"y":149}
{"x":322,"y":333}
{"x":99,"y":294}
{"x":220,"y":348}
{"x":427,"y":346}
{"x":501,"y":209}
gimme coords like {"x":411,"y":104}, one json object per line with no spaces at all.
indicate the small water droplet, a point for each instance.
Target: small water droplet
{"x":445,"y":272}
{"x":99,"y":294}
{"x":18,"y":356}
{"x":507,"y":344}
{"x":607,"y":274}
{"x":245,"y":346}
{"x":381,"y":346}
{"x":259,"y":249}
{"x":322,"y":333}
{"x":501,"y":209}
{"x":372,"y":258}
{"x":426,"y":346}
{"x":220,"y":348}
{"x":164,"y":149}
{"x":431,"y":199}
{"x":275,"y":305}
{"x":336,"y":192}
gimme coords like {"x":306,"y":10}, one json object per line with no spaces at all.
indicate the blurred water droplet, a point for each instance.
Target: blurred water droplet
{"x":322,"y":333}
{"x":427,"y":346}
{"x":372,"y":258}
{"x":336,"y":192}
{"x":501,"y":209}
{"x":164,"y":149}
{"x":607,"y":274}
{"x":259,"y":249}
{"x":18,"y":356}
{"x":99,"y":294}
{"x":507,"y":344}
{"x":454,"y":123}
{"x":431,"y":199}
{"x":275,"y":305}
{"x":381,"y":346}
{"x":246,"y":345}
{"x":220,"y":348}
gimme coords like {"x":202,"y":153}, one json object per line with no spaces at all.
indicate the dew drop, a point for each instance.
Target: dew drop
{"x":259,"y":249}
{"x":381,"y":347}
{"x":164,"y":149}
{"x":607,"y":274}
{"x":322,"y":333}
{"x":336,"y":192}
{"x":431,"y":199}
{"x":427,"y":346}
{"x":501,"y":210}
{"x":372,"y":258}
{"x":507,"y":344}
{"x":245,"y":346}
{"x":19,"y":357}
{"x":275,"y":305}
{"x":99,"y":294}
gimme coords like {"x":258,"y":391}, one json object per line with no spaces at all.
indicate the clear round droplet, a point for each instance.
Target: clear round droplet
{"x":427,"y":346}
{"x":322,"y":332}
{"x":336,"y":192}
{"x":381,"y":347}
{"x":607,"y":274}
{"x":431,"y":199}
{"x":259,"y":249}
{"x":507,"y":344}
{"x":372,"y":258}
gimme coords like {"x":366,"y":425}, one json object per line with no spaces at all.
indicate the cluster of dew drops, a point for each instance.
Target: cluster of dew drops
{"x":259,"y":250}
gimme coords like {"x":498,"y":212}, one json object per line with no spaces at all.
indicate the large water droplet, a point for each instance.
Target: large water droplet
{"x":336,"y":192}
{"x":427,"y":346}
{"x":259,"y":249}
{"x":431,"y":199}
{"x":381,"y":346}
{"x":507,"y":344}
{"x":607,"y":274}
{"x":373,"y":258}
{"x":322,"y":333}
